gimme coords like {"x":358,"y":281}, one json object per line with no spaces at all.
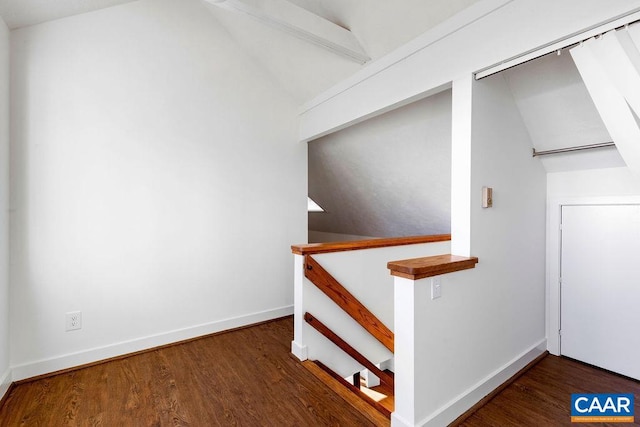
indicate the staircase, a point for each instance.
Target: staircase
{"x":379,"y":397}
{"x":337,"y":336}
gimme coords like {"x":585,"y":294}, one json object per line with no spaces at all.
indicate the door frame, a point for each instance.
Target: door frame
{"x":554,"y":254}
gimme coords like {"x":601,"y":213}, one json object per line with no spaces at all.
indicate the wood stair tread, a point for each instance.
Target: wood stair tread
{"x":355,"y":400}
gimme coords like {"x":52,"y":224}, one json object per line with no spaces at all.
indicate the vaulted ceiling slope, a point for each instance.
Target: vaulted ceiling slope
{"x":382,"y":25}
{"x":558,"y":112}
{"x":22,"y":13}
{"x":303,"y":70}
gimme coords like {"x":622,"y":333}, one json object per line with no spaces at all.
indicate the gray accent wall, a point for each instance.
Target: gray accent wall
{"x":389,"y":176}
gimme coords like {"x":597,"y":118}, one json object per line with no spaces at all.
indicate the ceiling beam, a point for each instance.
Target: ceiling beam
{"x":299,"y":23}
{"x":608,"y":71}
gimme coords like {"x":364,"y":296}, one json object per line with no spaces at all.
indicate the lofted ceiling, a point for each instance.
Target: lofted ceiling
{"x":549,"y":93}
{"x":302,"y":69}
{"x":22,"y":13}
{"x":380,"y":26}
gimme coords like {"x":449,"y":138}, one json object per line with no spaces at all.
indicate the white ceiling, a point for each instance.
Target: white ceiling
{"x":22,"y":13}
{"x":380,"y":26}
{"x":300,"y":68}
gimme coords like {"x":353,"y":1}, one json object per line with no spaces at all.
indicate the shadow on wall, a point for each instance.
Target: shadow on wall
{"x":389,"y":176}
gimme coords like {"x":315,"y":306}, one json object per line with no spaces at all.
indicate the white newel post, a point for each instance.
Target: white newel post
{"x":404,"y":352}
{"x":414,"y":281}
{"x":297,"y":345}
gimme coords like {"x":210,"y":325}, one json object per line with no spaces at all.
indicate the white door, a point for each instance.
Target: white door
{"x":600,"y":286}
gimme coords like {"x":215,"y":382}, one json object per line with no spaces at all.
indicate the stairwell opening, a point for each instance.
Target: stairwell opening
{"x":389,"y":176}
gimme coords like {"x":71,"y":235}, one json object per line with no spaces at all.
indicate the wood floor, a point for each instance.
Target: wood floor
{"x":542,"y":396}
{"x":248,"y":378}
{"x":242,"y":378}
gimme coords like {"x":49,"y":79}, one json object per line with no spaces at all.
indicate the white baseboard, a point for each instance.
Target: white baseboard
{"x":474,"y":394}
{"x":41,"y":367}
{"x":299,"y":351}
{"x":5,"y":382}
{"x":398,"y":421}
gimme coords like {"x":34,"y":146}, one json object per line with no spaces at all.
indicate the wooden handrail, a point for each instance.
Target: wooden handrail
{"x":344,"y":346}
{"x":419,"y":268}
{"x":321,"y":248}
{"x":347,"y":302}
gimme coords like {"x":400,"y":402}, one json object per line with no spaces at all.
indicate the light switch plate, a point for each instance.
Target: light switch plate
{"x":436,"y":288}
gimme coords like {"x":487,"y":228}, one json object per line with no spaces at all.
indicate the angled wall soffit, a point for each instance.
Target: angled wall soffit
{"x":610,"y":68}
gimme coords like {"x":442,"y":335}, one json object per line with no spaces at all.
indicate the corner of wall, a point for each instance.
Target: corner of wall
{"x":5,"y":376}
{"x":5,"y":382}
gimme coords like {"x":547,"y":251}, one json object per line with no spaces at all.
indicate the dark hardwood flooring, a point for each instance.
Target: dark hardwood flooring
{"x":542,"y":395}
{"x":248,"y":378}
{"x":241,"y":378}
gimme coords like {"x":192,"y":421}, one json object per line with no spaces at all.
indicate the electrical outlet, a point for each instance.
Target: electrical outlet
{"x":74,"y":320}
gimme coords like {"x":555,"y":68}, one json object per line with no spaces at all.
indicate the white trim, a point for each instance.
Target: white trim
{"x":5,"y":382}
{"x":474,"y":394}
{"x":461,"y":124}
{"x":554,"y":208}
{"x":299,"y":350}
{"x":405,"y":296}
{"x":398,"y":421}
{"x":552,"y":291}
{"x":41,"y":367}
{"x":555,"y":45}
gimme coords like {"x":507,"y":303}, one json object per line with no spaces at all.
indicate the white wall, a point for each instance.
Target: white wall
{"x":157,"y":184}
{"x":594,"y":183}
{"x":4,"y":208}
{"x":490,"y":319}
{"x":509,"y":237}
